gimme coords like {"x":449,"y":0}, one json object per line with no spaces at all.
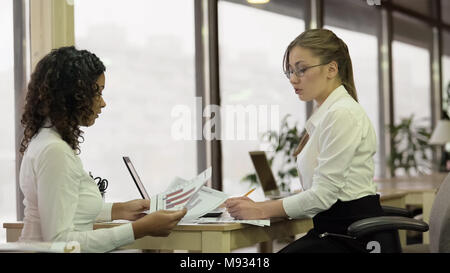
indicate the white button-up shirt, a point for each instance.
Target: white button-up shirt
{"x":337,"y":161}
{"x":62,"y":201}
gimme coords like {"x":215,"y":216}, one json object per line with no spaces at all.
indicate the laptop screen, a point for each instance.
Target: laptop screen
{"x":136,"y":178}
{"x":263,"y":171}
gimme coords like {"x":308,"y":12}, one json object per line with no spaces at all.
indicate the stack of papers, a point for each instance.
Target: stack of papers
{"x":198,"y":199}
{"x":190,"y":194}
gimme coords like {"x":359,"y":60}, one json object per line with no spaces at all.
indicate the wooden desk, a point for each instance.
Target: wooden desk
{"x":211,"y":238}
{"x":216,"y":238}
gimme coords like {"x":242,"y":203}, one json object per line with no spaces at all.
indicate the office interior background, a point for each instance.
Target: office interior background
{"x":160,"y":54}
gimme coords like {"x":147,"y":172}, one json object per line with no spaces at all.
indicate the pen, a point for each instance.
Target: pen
{"x":249,"y":192}
{"x":245,"y":195}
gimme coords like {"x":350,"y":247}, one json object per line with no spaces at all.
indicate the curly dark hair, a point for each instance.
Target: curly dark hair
{"x":62,"y":88}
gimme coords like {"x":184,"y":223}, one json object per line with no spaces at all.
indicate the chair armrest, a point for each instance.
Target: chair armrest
{"x":394,"y":211}
{"x":383,"y":223}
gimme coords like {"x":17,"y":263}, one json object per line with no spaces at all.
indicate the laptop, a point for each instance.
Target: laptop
{"x":136,"y":178}
{"x":265,"y":176}
{"x":215,"y":213}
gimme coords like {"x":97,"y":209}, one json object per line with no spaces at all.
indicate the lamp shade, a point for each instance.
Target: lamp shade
{"x":441,"y":134}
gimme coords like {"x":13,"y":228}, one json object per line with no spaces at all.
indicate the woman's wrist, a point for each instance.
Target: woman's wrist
{"x":137,"y":229}
{"x":273,"y":208}
{"x":262,"y":210}
{"x":116,"y":211}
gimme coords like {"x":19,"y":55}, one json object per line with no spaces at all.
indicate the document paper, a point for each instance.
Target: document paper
{"x":191,"y":194}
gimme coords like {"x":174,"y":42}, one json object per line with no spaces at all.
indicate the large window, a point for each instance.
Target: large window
{"x":252,"y":43}
{"x":411,"y":72}
{"x":411,"y":82}
{"x":7,"y":154}
{"x":148,"y":49}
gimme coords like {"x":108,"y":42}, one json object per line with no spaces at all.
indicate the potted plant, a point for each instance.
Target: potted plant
{"x":410,"y":150}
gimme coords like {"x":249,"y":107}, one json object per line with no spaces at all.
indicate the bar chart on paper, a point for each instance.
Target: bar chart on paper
{"x":186,"y":195}
{"x":178,"y":198}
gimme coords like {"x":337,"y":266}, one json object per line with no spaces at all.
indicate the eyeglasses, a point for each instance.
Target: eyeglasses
{"x":299,"y":72}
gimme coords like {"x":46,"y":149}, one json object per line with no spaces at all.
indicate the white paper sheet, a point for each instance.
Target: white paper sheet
{"x":204,"y":201}
{"x":177,"y":197}
{"x":191,"y":194}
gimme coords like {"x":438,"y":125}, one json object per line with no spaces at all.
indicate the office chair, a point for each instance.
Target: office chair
{"x":381,"y":233}
{"x":385,"y":229}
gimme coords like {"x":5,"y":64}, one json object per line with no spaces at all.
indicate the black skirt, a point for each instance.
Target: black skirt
{"x":336,"y":220}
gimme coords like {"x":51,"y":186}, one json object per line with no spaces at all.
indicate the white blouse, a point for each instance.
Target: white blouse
{"x":337,"y":161}
{"x":62,"y":201}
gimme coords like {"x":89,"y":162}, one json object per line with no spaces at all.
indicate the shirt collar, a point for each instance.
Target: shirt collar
{"x":320,"y":111}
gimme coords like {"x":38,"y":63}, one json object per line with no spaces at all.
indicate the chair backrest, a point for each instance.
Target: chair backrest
{"x":440,"y":219}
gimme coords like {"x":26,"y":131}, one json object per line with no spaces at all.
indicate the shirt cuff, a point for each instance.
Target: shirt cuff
{"x":290,"y":205}
{"x":123,"y":235}
{"x":105,"y":213}
{"x":296,"y":206}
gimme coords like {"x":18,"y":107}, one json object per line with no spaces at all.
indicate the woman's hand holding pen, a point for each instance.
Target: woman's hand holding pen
{"x":244,"y":208}
{"x":131,"y":210}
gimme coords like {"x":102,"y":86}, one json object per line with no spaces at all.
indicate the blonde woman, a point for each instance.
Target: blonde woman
{"x":335,"y":156}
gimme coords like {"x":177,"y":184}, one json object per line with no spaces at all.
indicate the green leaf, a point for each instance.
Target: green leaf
{"x":251,"y":178}
{"x":293,"y":172}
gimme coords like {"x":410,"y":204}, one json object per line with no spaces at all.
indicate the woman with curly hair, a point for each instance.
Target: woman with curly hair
{"x":62,"y":202}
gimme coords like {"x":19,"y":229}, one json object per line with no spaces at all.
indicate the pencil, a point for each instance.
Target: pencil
{"x":249,"y":192}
